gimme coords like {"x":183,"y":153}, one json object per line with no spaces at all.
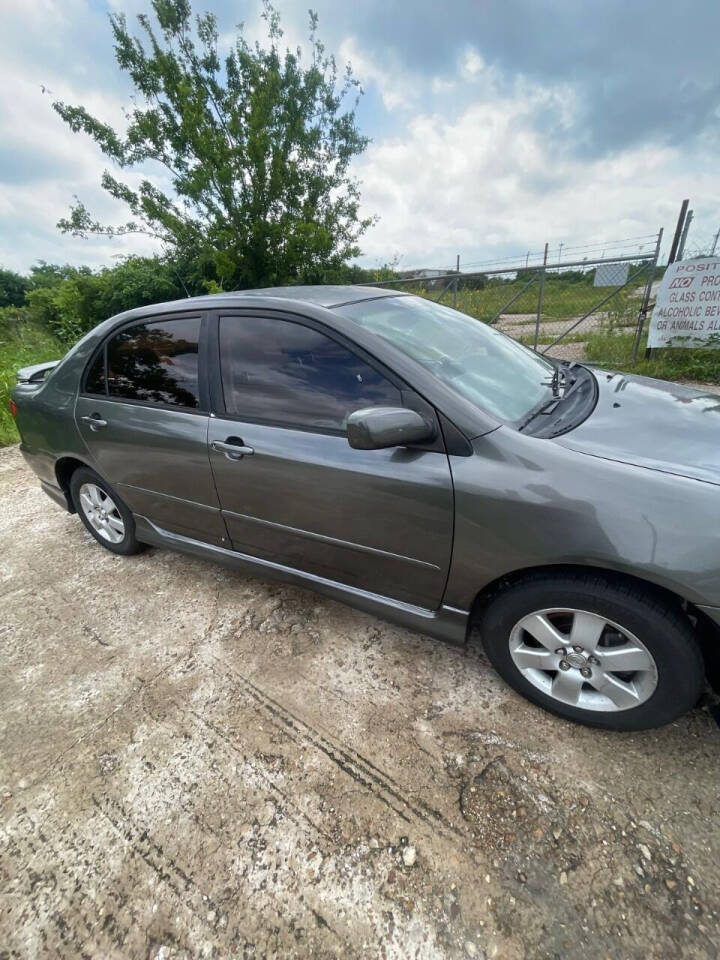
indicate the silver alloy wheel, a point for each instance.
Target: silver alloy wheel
{"x":102,"y":513}
{"x":583,"y":660}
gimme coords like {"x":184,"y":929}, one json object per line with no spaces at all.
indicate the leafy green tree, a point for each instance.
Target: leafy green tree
{"x":255,"y":146}
{"x":12,"y":288}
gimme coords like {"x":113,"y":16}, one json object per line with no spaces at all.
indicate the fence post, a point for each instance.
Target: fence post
{"x":683,"y":239}
{"x":678,"y":231}
{"x":455,"y":288}
{"x":715,"y":243}
{"x":646,"y":299}
{"x":540,"y":300}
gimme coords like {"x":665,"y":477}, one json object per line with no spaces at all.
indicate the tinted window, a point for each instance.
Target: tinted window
{"x":284,"y":372}
{"x":95,"y":379}
{"x":156,"y":362}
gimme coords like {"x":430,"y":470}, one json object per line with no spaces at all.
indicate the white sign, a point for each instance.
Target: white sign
{"x":687,"y":310}
{"x":611,"y":275}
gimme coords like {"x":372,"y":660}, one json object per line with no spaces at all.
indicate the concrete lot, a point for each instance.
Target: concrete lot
{"x":197,"y":764}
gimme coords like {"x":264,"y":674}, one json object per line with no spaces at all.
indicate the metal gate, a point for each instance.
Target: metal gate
{"x":585,"y":309}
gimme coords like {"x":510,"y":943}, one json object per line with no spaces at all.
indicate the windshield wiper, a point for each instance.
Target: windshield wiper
{"x":554,"y":383}
{"x":568,"y":384}
{"x":544,"y":408}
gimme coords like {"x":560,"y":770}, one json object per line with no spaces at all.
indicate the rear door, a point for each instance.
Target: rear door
{"x":295,"y":492}
{"x":143,"y":414}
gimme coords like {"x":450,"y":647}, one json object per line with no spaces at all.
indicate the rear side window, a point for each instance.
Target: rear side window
{"x":155,"y":362}
{"x":295,"y":376}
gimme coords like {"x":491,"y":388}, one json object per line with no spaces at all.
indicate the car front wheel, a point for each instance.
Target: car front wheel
{"x":598,"y":650}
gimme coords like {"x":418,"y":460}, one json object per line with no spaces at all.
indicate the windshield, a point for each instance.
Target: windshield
{"x":494,"y":372}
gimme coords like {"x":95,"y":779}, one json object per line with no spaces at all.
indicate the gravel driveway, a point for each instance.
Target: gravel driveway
{"x":198,"y":764}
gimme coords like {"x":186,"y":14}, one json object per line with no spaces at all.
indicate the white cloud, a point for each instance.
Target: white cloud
{"x":469,"y":160}
{"x":491,"y":180}
{"x":396,"y":89}
{"x":472,"y":63}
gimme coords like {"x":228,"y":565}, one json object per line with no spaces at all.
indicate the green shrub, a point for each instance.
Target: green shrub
{"x":22,"y":342}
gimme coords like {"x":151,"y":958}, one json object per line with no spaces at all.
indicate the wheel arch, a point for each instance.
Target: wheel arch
{"x":485,"y":595}
{"x":65,"y":467}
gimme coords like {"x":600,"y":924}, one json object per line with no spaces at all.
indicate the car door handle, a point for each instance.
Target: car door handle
{"x":233,"y":451}
{"x":95,"y":422}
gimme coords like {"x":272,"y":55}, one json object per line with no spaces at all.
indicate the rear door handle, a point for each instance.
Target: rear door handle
{"x":95,"y":422}
{"x":233,"y":451}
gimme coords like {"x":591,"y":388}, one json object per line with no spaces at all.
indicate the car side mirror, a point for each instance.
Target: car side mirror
{"x":375,"y":428}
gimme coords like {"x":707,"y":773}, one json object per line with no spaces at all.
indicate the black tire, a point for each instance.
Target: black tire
{"x":128,"y":545}
{"x":655,"y":620}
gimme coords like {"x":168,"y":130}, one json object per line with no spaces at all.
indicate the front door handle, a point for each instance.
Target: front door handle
{"x":233,"y":451}
{"x":95,"y":421}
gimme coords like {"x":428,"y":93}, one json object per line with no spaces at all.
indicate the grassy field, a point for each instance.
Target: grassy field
{"x":562,"y":298}
{"x":674,"y":363}
{"x":21,"y":343}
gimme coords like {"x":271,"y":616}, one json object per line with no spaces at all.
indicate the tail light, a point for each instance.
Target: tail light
{"x":13,"y":409}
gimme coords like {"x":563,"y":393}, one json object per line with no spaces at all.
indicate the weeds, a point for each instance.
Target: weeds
{"x":22,"y":342}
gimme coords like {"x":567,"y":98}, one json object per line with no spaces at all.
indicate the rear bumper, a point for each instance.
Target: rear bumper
{"x":56,"y":494}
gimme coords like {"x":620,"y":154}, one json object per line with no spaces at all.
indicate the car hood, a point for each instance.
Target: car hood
{"x":654,"y":424}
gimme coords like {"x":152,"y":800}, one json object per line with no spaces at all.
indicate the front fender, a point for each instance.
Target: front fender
{"x":523,"y":502}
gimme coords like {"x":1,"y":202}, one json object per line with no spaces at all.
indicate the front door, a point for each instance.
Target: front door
{"x":295,"y":492}
{"x":143,"y":414}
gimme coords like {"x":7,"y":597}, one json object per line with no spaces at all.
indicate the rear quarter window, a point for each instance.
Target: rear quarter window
{"x":95,"y":375}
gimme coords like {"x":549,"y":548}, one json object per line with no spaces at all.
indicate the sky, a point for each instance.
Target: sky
{"x":496,"y":125}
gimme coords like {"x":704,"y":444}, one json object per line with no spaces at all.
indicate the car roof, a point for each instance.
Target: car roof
{"x":328,"y":296}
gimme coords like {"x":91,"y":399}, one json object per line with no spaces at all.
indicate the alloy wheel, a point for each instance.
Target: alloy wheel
{"x":102,"y":513}
{"x":583,"y":659}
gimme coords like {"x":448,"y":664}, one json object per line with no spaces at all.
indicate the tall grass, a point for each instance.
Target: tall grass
{"x":614,"y":350}
{"x":22,"y":342}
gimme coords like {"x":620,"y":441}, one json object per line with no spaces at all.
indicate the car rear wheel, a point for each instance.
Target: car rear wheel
{"x":103,"y":512}
{"x":598,"y":650}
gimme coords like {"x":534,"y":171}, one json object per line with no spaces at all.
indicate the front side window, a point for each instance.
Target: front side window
{"x":286,"y":373}
{"x":494,"y":372}
{"x":156,"y":362}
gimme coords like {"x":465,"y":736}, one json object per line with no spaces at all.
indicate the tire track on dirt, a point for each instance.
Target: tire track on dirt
{"x":358,"y":767}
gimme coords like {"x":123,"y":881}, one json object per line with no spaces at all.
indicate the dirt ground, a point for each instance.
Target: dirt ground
{"x":198,"y":764}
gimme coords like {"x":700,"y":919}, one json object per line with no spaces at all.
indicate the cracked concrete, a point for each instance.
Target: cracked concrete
{"x":194,"y":763}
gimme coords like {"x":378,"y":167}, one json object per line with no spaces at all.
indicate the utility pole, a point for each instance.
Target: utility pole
{"x":715,"y":242}
{"x":457,"y":270}
{"x":560,"y":252}
{"x":678,"y":232}
{"x":681,"y":248}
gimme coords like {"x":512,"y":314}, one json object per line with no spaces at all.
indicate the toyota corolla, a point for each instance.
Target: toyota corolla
{"x":407,"y":459}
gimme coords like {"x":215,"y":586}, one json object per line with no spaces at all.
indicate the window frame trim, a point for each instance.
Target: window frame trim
{"x":203,"y":408}
{"x":218,"y":407}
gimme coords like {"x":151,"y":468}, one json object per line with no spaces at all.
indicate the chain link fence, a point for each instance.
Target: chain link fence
{"x":574,"y":309}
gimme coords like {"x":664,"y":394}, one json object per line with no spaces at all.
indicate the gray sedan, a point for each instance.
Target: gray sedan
{"x":407,"y":459}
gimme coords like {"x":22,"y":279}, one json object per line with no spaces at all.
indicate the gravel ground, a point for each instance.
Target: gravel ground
{"x":198,"y":764}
